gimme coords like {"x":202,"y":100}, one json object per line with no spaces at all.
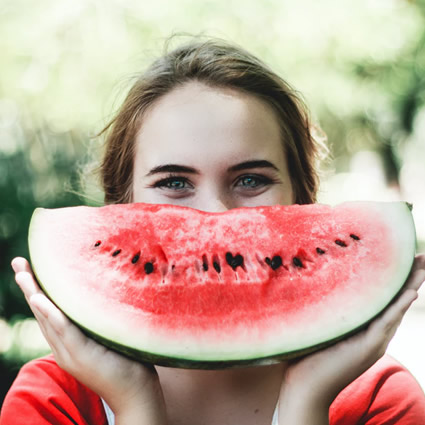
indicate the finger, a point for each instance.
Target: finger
{"x":417,"y":274}
{"x":55,"y":327}
{"x":42,"y":307}
{"x":43,"y":325}
{"x":62,"y":329}
{"x":30,"y":289}
{"x":41,"y":313}
{"x":61,"y":355}
{"x":50,"y":312}
{"x":20,"y":264}
{"x":27,"y":284}
{"x":391,"y":318}
{"x":416,"y":280}
{"x":70,"y":346}
{"x":419,"y":262}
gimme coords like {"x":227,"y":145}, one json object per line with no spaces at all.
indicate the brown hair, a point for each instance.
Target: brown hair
{"x":217,"y":64}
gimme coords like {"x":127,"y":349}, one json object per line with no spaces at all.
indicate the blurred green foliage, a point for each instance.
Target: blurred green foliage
{"x":361,"y":67}
{"x":23,"y":186}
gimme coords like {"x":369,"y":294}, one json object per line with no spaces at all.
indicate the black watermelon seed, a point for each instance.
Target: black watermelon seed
{"x":115,"y":253}
{"x":237,"y":261}
{"x":234,"y":261}
{"x":341,"y":243}
{"x":276,"y":262}
{"x":204,"y":263}
{"x":136,"y":258}
{"x":320,"y":251}
{"x":355,"y":237}
{"x":148,"y":267}
{"x":216,"y":266}
{"x":297,"y":262}
{"x":97,"y":243}
{"x":268,"y":261}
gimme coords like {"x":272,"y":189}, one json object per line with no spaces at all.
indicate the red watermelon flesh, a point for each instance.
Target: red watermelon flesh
{"x":181,"y":287}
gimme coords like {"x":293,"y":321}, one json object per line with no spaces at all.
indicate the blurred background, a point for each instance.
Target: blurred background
{"x":65,"y":66}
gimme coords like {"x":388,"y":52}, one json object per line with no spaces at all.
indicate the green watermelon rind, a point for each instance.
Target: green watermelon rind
{"x":187,"y":363}
{"x":220,"y":363}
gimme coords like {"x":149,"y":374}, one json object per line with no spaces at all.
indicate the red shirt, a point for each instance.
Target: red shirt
{"x":44,"y":394}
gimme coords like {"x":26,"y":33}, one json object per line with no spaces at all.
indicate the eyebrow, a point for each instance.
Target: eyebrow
{"x":253,"y":164}
{"x":176,"y":168}
{"x":172,"y":168}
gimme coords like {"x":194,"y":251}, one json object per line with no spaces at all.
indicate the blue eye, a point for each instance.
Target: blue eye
{"x":173,"y":183}
{"x":249,"y":181}
{"x":176,"y":184}
{"x":253,"y":181}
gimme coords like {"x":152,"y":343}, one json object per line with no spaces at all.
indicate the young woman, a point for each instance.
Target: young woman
{"x":211,"y":127}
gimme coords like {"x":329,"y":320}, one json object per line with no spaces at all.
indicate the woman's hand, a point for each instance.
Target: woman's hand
{"x":311,"y":383}
{"x":131,"y":389}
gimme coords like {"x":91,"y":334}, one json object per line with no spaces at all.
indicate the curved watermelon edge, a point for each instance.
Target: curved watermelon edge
{"x":160,"y":360}
{"x":168,"y":361}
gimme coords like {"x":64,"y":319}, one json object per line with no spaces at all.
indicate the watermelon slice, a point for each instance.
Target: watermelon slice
{"x":180,"y":287}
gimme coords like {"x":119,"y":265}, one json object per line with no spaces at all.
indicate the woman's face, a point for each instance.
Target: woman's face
{"x":211,"y":149}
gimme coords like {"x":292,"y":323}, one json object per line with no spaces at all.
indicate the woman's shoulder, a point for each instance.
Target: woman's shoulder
{"x":43,"y":393}
{"x":386,"y":393}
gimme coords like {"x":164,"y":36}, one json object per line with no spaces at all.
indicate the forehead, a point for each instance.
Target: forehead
{"x":198,"y":124}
